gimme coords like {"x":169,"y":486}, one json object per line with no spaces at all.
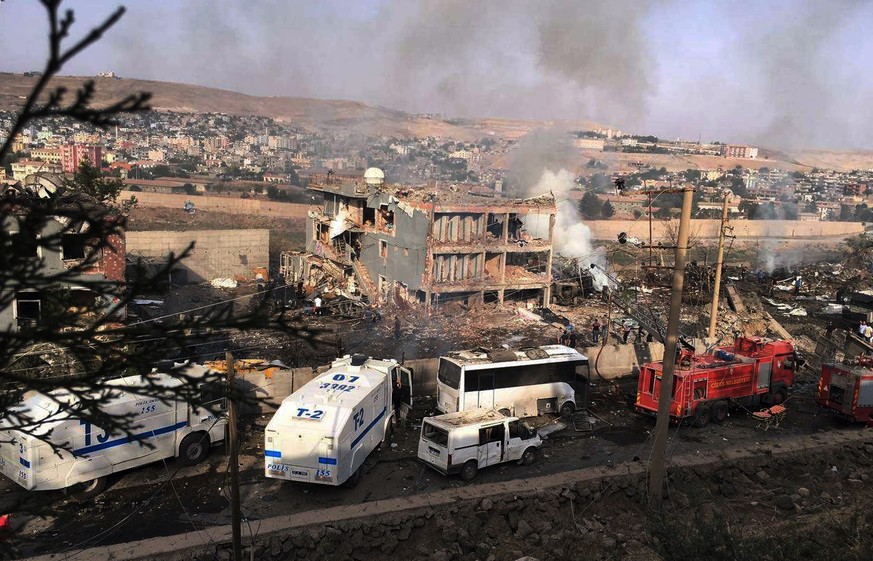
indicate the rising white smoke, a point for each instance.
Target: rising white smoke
{"x":572,"y":238}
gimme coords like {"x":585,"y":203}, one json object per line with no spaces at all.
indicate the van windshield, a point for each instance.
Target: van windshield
{"x":435,"y":435}
{"x":449,"y":374}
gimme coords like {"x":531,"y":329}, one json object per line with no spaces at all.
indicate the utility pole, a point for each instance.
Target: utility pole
{"x":236,"y":518}
{"x":657,"y":467}
{"x":713,"y":314}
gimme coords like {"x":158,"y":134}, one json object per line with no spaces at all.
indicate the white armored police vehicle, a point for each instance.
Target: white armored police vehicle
{"x":466,"y":441}
{"x":323,"y":432}
{"x":62,"y":451}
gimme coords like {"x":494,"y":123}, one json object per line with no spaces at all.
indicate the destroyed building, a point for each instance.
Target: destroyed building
{"x":65,"y":254}
{"x":435,"y":244}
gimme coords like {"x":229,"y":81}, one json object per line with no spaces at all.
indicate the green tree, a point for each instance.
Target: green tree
{"x":607,"y":210}
{"x":189,"y":189}
{"x":590,"y":206}
{"x":90,"y":180}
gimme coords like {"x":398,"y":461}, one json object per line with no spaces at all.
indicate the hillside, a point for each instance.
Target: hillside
{"x":317,"y":114}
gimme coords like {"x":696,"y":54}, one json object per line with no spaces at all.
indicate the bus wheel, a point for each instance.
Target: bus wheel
{"x":529,"y":456}
{"x":568,"y":409}
{"x":355,"y":478}
{"x":719,"y":412}
{"x":468,"y":472}
{"x":505,"y":412}
{"x":702,"y":417}
{"x":88,"y":489}
{"x":193,"y":449}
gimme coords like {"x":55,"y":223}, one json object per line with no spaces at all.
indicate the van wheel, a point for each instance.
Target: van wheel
{"x":468,"y":472}
{"x":88,"y":489}
{"x":505,"y":412}
{"x":568,"y":409}
{"x":529,"y":456}
{"x":355,"y":478}
{"x":701,"y":419}
{"x":719,"y":412}
{"x":193,"y":449}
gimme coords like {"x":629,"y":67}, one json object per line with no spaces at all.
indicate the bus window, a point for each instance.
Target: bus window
{"x":486,"y":381}
{"x":449,"y":374}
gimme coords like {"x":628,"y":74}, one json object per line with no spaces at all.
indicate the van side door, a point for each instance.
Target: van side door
{"x":491,"y":445}
{"x":515,"y":445}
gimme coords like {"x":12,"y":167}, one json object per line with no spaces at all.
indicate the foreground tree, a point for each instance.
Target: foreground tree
{"x":55,"y":234}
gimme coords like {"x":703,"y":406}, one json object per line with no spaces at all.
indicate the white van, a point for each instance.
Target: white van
{"x":65,"y":452}
{"x":466,"y":441}
{"x":323,"y":432}
{"x":525,"y":382}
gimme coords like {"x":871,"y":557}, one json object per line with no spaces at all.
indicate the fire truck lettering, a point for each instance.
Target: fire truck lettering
{"x":732,"y":381}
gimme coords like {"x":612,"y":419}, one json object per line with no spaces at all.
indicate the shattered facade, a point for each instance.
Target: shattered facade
{"x":434,"y":244}
{"x":75,"y":246}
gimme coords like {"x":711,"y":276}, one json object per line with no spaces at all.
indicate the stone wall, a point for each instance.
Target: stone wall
{"x":231,"y":205}
{"x":216,"y":254}
{"x":748,"y":230}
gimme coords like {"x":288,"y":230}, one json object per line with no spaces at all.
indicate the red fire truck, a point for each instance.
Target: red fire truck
{"x":751,"y":371}
{"x":847,"y":389}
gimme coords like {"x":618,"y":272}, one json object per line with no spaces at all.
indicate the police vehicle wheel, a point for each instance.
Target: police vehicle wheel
{"x":719,"y":412}
{"x":386,"y":440}
{"x":702,"y":417}
{"x":468,"y":472}
{"x":88,"y":489}
{"x":568,"y":409}
{"x":529,"y":456}
{"x":194,"y":448}
{"x":355,"y":478}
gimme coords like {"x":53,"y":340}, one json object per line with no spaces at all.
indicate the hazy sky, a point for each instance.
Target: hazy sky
{"x":776,"y":72}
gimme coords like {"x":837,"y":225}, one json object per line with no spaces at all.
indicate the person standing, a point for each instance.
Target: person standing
{"x":317,"y":303}
{"x":604,"y":330}
{"x":595,"y":330}
{"x":399,"y":396}
{"x":571,"y":336}
{"x":626,"y":331}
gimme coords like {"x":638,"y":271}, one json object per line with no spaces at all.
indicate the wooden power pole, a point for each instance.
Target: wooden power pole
{"x":236,"y":518}
{"x":713,"y":314}
{"x":658,"y":468}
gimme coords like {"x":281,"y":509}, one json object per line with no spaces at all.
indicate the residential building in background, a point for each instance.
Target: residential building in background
{"x":73,"y":154}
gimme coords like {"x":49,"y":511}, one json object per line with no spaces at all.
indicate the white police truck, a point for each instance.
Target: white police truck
{"x":62,"y":451}
{"x":323,"y":432}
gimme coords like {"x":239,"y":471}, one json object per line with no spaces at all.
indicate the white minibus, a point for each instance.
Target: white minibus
{"x":522,"y":383}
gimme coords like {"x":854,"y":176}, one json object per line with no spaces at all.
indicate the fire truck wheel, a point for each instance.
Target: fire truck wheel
{"x":468,"y":472}
{"x":193,"y":449}
{"x":719,"y":411}
{"x":568,"y":409}
{"x":702,"y":417}
{"x":88,"y":489}
{"x":780,"y":395}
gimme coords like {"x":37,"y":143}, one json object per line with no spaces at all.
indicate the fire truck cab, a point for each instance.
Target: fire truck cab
{"x":753,"y":370}
{"x":847,"y":389}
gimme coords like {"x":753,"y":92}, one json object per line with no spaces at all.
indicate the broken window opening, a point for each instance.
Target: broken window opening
{"x":74,"y":246}
{"x":28,"y":306}
{"x":492,"y":265}
{"x":369,"y":217}
{"x":515,"y":227}
{"x":24,"y":245}
{"x":383,"y":249}
{"x":495,"y":225}
{"x":386,"y":218}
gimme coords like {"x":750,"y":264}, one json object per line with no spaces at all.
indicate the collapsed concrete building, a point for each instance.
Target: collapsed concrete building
{"x":434,"y":244}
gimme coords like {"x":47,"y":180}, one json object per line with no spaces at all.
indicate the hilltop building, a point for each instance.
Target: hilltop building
{"x":435,"y":244}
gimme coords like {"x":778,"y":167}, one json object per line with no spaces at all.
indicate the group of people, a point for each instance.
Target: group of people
{"x":600,"y":333}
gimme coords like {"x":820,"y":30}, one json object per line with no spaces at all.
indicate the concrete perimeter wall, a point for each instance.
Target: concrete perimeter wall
{"x":216,"y":253}
{"x":273,"y":385}
{"x":743,"y":229}
{"x":231,"y":205}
